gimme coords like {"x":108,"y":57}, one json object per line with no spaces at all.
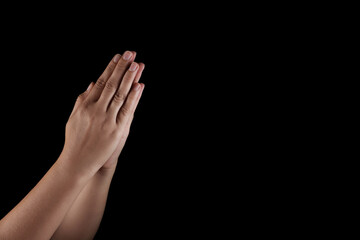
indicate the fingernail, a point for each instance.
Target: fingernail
{"x":116,"y":58}
{"x":127,"y":55}
{"x":133,"y":66}
{"x":143,"y":65}
{"x":137,"y":87}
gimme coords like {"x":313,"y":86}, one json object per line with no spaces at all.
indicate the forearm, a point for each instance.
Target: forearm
{"x":83,"y":219}
{"x":100,"y":120}
{"x":40,"y":213}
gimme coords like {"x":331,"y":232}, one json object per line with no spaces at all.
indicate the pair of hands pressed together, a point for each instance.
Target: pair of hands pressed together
{"x":69,"y":201}
{"x":100,"y":121}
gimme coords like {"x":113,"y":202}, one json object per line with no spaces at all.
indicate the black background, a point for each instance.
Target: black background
{"x":165,"y":176}
{"x":223,"y":135}
{"x":212,"y":134}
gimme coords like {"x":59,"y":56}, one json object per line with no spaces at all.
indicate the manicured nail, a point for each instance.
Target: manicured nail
{"x":127,"y":55}
{"x":116,"y":58}
{"x":137,"y":87}
{"x":133,"y":67}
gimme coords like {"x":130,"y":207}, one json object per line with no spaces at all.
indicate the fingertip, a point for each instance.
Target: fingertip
{"x":116,"y":58}
{"x":90,"y":86}
{"x":133,"y":67}
{"x":142,"y":86}
{"x":137,"y":86}
{"x":133,"y":55}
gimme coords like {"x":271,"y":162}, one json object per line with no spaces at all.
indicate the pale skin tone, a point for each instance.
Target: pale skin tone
{"x":69,"y":201}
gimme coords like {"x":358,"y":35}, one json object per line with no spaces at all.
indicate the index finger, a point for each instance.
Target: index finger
{"x":100,"y":83}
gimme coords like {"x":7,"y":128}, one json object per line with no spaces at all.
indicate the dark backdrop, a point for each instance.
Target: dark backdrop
{"x":159,"y":182}
{"x":213,"y":135}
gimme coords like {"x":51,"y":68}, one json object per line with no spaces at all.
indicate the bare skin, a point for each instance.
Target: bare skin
{"x":69,"y":201}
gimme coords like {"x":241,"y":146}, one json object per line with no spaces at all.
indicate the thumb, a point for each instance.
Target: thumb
{"x":82,"y":97}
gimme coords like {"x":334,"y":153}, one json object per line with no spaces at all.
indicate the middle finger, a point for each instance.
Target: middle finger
{"x":115,"y":79}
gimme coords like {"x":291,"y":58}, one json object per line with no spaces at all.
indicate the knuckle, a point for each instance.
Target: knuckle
{"x":119,"y":97}
{"x":111,"y":67}
{"x":124,"y":111}
{"x":120,"y":69}
{"x":100,"y":83}
{"x":109,"y":85}
{"x":80,"y":97}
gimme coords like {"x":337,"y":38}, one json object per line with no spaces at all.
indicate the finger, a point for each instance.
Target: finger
{"x":133,"y":55}
{"x":82,"y":97}
{"x":139,"y":72}
{"x":124,"y":88}
{"x":127,"y":127}
{"x":129,"y":121}
{"x":111,"y":66}
{"x":127,"y":131}
{"x":100,"y":83}
{"x":127,"y":110}
{"x":137,"y":77}
{"x":115,"y":79}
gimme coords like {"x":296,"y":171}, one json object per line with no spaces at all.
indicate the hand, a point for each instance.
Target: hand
{"x":99,"y":124}
{"x":111,"y":163}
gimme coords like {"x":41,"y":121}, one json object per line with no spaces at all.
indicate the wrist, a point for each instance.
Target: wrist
{"x":106,"y":171}
{"x":65,"y":165}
